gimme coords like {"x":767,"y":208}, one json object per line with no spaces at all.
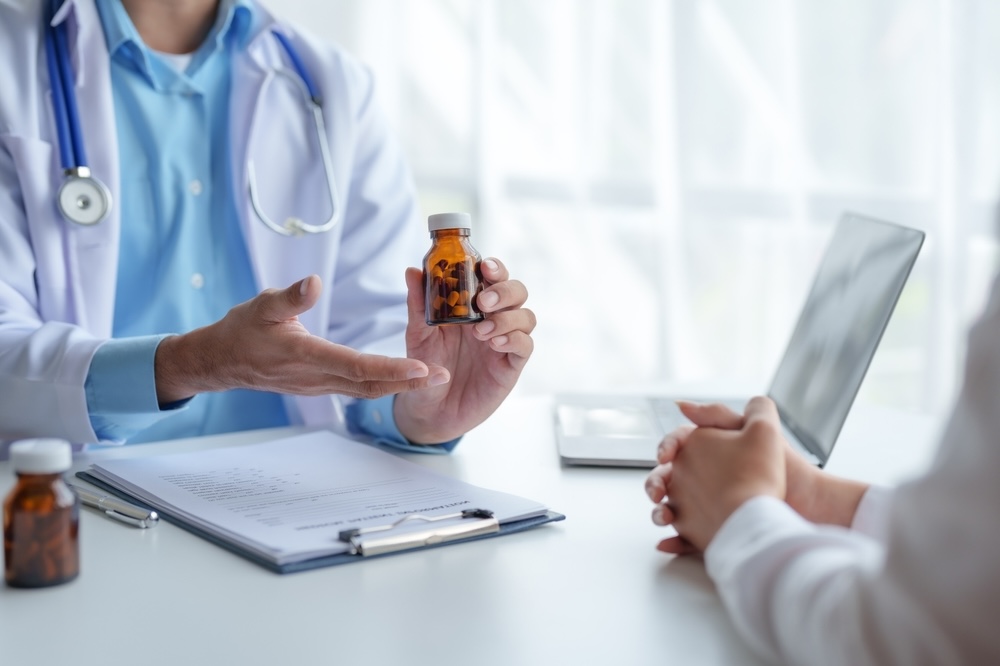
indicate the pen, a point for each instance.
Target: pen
{"x":116,"y":508}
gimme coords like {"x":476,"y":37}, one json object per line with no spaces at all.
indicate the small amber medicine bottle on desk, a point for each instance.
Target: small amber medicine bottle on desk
{"x":452,"y":280}
{"x":41,"y":517}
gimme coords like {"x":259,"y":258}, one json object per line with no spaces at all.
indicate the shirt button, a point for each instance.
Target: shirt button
{"x":197,"y":280}
{"x":377,"y":417}
{"x":195,"y":187}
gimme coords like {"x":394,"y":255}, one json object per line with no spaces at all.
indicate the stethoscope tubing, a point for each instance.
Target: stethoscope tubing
{"x":58,"y":102}
{"x":299,"y":67}
{"x":80,"y":191}
{"x":66,"y":110}
{"x":295,"y":226}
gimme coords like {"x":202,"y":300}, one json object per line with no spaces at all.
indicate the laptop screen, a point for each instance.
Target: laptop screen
{"x":855,"y":290}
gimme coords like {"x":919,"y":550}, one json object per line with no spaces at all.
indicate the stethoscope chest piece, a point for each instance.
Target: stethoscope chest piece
{"x":84,"y":199}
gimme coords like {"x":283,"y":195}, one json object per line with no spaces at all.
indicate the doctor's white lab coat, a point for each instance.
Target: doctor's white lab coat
{"x":57,"y":279}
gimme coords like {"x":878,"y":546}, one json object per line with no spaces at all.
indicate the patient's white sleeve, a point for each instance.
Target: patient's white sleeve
{"x":917,"y":583}
{"x":872,"y":515}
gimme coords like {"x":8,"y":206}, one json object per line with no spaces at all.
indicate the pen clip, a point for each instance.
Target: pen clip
{"x":117,"y":509}
{"x":486,"y":523}
{"x":148,"y":521}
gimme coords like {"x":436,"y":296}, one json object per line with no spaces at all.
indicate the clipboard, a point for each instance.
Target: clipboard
{"x":478,"y":527}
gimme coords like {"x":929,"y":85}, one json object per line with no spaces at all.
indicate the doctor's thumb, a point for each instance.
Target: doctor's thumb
{"x":305,"y":293}
{"x":294,"y":300}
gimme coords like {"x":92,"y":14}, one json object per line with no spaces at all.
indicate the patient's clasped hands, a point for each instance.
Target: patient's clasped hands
{"x":708,"y":470}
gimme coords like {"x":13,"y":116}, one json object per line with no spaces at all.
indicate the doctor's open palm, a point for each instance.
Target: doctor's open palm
{"x":453,"y":379}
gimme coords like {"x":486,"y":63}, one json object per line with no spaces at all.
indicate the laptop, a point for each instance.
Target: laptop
{"x":860,"y":277}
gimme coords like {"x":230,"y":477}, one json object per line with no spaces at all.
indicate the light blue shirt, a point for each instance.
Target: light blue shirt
{"x":183,"y":262}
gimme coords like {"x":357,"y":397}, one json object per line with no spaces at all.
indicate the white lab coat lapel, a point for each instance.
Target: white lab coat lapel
{"x":92,"y":252}
{"x":278,"y":261}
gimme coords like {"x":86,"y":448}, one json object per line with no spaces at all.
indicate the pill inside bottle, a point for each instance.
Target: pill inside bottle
{"x":452,"y":277}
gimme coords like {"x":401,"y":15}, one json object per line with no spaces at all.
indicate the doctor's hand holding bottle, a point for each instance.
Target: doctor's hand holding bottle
{"x":453,"y":379}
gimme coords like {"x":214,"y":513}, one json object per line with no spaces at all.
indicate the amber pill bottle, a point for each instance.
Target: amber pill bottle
{"x":41,"y":517}
{"x":452,"y":278}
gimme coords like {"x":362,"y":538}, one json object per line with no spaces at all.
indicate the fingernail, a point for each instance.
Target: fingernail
{"x":304,"y":286}
{"x":500,"y":340}
{"x":437,"y":379}
{"x":491,"y":265}
{"x":416,"y":373}
{"x":485,"y":327}
{"x":658,"y":516}
{"x":488,"y":299}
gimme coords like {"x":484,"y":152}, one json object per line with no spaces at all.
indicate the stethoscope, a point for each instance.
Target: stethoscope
{"x":85,"y":200}
{"x":82,"y":198}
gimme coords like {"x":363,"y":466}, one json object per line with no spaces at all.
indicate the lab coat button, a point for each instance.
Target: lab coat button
{"x":197,"y":280}
{"x":195,"y":187}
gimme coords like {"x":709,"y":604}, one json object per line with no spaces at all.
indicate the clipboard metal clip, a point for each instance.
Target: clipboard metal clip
{"x":484,"y":523}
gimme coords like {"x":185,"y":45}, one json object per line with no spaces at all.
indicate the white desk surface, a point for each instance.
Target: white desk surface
{"x":589,"y":590}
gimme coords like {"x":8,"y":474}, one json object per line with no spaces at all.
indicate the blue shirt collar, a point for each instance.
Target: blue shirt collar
{"x":233,"y":24}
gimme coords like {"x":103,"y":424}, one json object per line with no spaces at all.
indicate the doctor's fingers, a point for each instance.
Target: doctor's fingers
{"x":504,"y":323}
{"x":506,"y":295}
{"x":371,"y":389}
{"x":374,"y":368}
{"x":493,"y":270}
{"x":276,"y":305}
{"x":516,"y":347}
{"x":344,"y":371}
{"x":319,"y":362}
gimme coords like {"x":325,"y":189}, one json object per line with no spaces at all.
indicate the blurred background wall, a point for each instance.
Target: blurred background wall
{"x":663,"y":174}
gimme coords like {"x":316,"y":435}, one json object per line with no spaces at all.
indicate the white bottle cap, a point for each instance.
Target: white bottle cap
{"x":41,"y":456}
{"x":440,"y":221}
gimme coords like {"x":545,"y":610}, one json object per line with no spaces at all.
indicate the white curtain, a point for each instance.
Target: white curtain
{"x":663,"y":174}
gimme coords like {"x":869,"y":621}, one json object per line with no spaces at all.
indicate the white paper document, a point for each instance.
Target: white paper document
{"x":287,"y":500}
